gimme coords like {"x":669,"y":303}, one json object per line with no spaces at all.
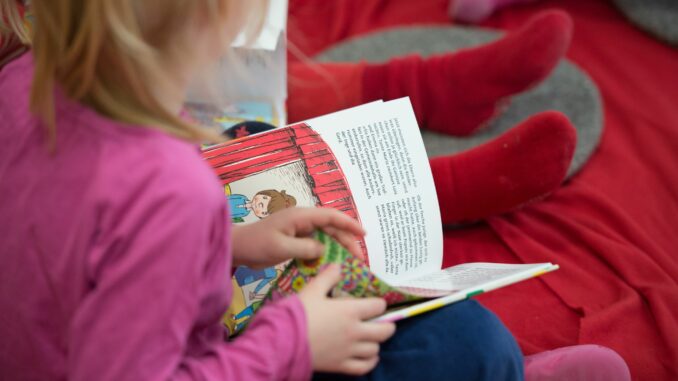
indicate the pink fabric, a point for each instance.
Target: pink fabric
{"x":115,"y":257}
{"x":577,"y":363}
{"x":478,"y":10}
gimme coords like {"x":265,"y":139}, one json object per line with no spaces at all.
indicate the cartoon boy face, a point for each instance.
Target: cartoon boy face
{"x":259,"y":205}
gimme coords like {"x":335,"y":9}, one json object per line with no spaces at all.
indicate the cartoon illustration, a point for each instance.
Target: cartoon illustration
{"x":294,"y":159}
{"x":254,"y":285}
{"x":263,"y":204}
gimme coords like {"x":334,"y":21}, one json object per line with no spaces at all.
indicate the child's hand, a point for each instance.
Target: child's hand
{"x":286,"y":235}
{"x":341,"y":341}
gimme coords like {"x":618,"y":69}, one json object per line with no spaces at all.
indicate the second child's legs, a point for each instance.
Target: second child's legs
{"x":525,"y":163}
{"x":454,"y":93}
{"x":463,"y":341}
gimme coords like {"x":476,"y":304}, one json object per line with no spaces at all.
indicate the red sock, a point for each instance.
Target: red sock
{"x":456,"y":93}
{"x":524,"y":163}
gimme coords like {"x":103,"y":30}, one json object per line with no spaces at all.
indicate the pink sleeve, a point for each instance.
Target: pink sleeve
{"x":159,"y":282}
{"x":274,"y":347}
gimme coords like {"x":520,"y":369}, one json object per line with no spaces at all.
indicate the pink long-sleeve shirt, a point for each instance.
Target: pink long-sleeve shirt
{"x":115,"y":257}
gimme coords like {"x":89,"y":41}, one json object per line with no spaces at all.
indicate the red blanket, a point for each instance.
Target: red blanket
{"x":612,"y":228}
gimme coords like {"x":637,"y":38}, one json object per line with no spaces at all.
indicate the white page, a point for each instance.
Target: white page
{"x":467,"y":275}
{"x":395,"y":197}
{"x":469,"y":288}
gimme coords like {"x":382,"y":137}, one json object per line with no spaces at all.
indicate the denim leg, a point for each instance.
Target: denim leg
{"x":463,"y":341}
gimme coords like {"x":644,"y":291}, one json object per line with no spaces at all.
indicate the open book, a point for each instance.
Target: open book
{"x":370,"y":163}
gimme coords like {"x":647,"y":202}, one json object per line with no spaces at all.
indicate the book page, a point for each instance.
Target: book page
{"x":380,"y":151}
{"x":368,"y":162}
{"x":468,"y":275}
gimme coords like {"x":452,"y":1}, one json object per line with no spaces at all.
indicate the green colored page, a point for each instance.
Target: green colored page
{"x":357,"y":280}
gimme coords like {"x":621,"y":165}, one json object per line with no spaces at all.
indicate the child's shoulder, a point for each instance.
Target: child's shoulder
{"x":15,"y":80}
{"x":158,"y":165}
{"x":122,"y":160}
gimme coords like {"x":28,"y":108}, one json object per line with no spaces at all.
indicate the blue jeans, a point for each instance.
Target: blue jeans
{"x":463,"y":341}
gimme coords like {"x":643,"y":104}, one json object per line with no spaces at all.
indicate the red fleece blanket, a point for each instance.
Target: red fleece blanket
{"x":612,"y":228}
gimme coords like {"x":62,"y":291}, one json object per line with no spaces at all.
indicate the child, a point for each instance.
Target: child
{"x":116,"y":243}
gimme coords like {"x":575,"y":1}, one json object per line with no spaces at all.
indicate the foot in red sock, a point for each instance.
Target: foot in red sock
{"x":525,"y":163}
{"x":456,"y":93}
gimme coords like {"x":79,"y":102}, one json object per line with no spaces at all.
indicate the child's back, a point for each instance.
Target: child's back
{"x":113,"y":221}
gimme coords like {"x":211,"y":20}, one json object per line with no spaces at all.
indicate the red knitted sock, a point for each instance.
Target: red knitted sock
{"x":458,"y":92}
{"x":525,"y":163}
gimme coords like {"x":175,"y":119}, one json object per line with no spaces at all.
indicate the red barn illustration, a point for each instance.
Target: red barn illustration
{"x":259,"y":153}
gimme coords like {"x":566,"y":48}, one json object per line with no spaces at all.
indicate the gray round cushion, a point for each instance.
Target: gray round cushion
{"x":568,"y":89}
{"x":657,"y":17}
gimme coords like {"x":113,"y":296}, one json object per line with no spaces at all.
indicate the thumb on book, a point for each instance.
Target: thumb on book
{"x":325,"y":280}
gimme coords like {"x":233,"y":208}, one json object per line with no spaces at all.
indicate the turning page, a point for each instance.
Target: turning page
{"x":448,"y":286}
{"x":382,"y":155}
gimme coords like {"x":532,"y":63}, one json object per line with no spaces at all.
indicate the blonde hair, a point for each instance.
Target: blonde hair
{"x":109,"y":54}
{"x":11,"y":24}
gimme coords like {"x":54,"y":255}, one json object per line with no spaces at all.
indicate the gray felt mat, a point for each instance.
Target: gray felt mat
{"x":657,"y":17}
{"x":568,"y":89}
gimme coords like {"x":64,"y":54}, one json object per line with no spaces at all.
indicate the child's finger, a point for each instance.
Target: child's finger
{"x":358,"y":366}
{"x":325,"y":217}
{"x":303,"y":248}
{"x":343,"y":222}
{"x":324,"y":281}
{"x":377,"y":332}
{"x":365,"y":349}
{"x":366,"y":308}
